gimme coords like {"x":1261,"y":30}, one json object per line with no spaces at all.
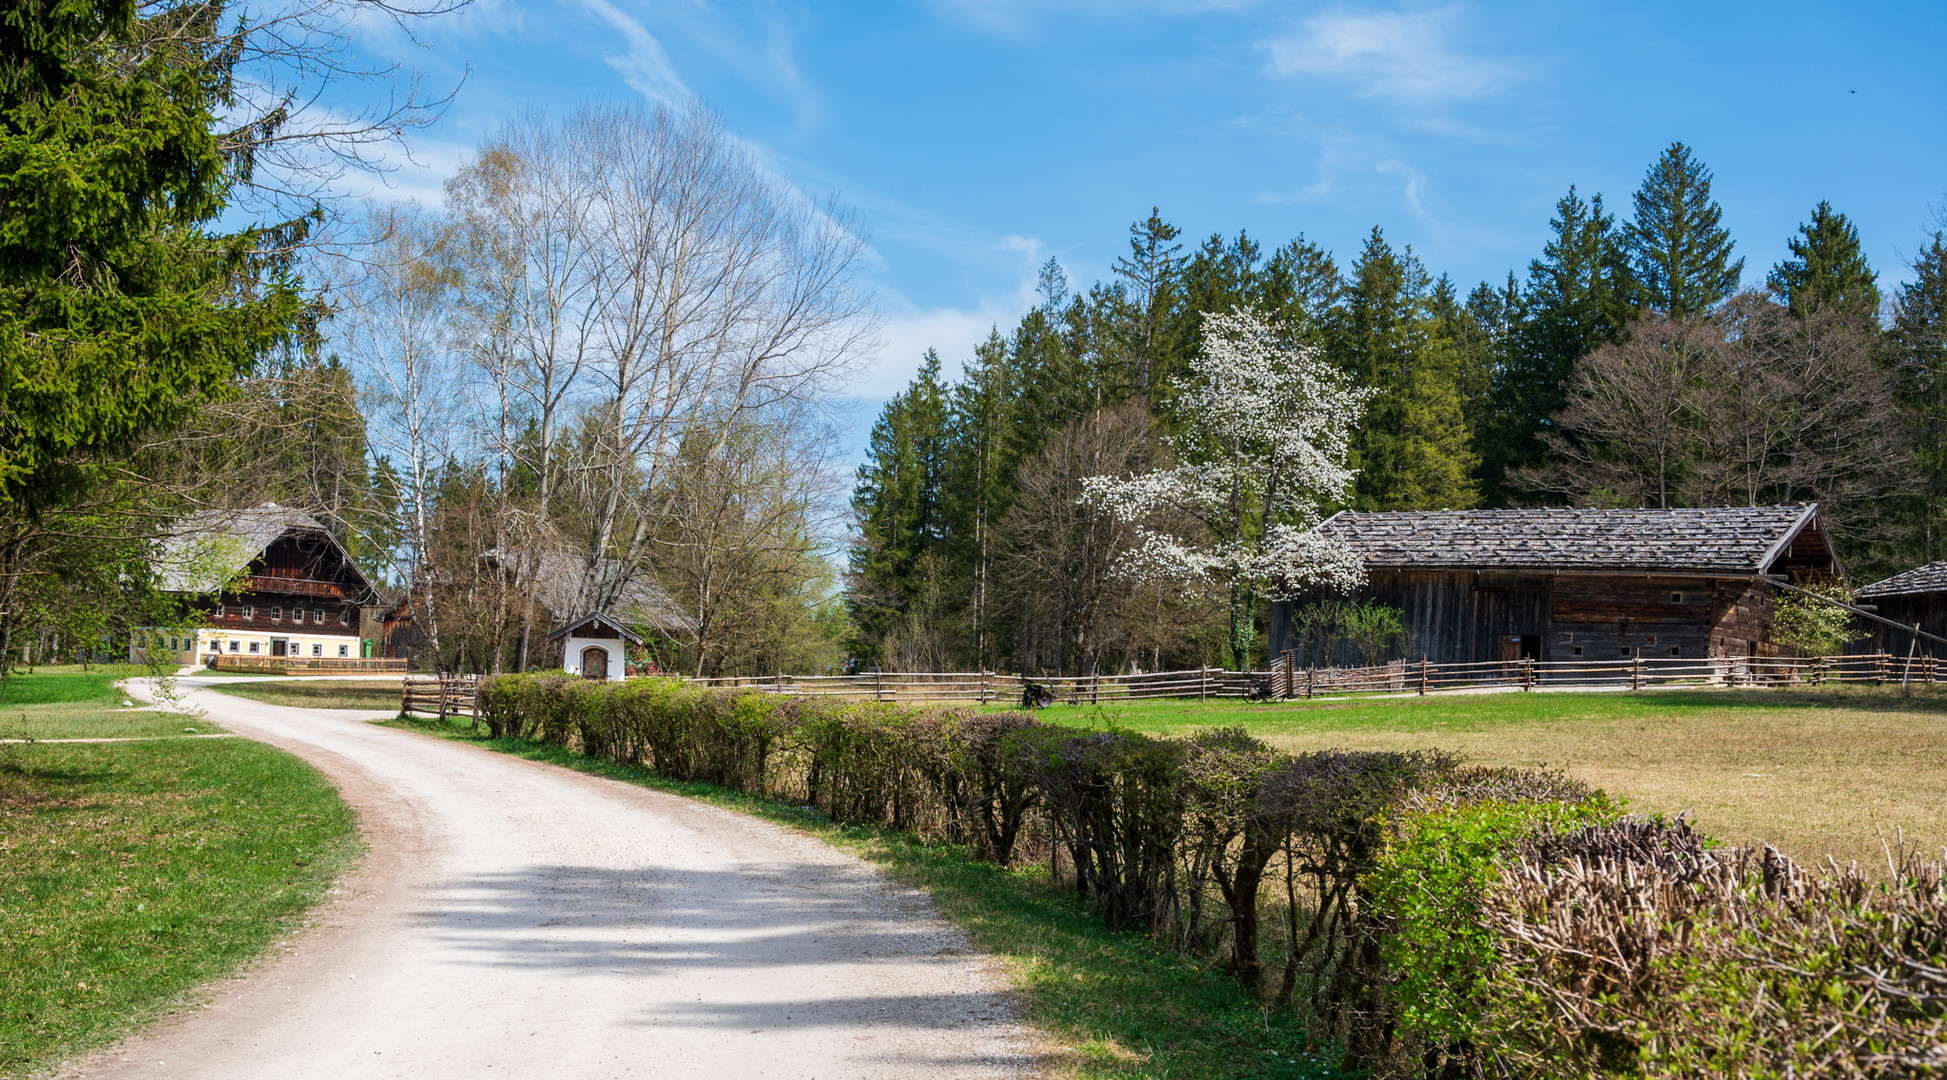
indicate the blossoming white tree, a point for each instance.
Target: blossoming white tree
{"x":1265,"y":448}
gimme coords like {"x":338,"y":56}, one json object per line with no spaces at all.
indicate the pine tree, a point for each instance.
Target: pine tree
{"x":1678,"y":249}
{"x":1828,"y":268}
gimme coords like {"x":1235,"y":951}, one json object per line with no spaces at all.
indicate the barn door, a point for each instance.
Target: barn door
{"x":1521,"y":647}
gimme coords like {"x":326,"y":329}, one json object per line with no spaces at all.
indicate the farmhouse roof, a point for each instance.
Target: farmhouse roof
{"x":599,"y":619}
{"x":1930,"y":578}
{"x":1740,"y":540}
{"x":202,"y":552}
{"x":560,"y":584}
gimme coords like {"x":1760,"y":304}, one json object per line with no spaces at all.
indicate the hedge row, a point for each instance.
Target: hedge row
{"x":1433,"y":919}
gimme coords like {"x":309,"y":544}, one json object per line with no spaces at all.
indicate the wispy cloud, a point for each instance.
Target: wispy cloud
{"x":908,"y":330}
{"x":1410,"y":56}
{"x":645,"y":66}
{"x":1014,"y":17}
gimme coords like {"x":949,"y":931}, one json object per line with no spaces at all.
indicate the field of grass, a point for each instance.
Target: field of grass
{"x":68,"y":703}
{"x":371,"y":695}
{"x":1115,"y":1005}
{"x":1820,"y":772}
{"x":130,"y":873}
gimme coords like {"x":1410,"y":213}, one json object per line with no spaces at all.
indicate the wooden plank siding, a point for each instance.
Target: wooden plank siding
{"x":1473,"y":616}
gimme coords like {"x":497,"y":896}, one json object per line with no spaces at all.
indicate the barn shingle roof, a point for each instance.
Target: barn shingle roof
{"x":1930,"y":578}
{"x":1724,"y":540}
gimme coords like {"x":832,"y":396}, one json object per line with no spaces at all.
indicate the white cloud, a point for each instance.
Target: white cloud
{"x":645,"y":67}
{"x":907,"y":330}
{"x":1404,"y":55}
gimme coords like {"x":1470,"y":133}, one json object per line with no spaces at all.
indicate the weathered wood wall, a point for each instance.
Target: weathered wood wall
{"x":1927,"y":609}
{"x":1474,"y":616}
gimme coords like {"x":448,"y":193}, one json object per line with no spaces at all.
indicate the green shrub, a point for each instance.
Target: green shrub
{"x":1424,"y":902}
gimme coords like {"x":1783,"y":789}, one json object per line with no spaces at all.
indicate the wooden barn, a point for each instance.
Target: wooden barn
{"x":1918,"y":596}
{"x":1559,"y":584}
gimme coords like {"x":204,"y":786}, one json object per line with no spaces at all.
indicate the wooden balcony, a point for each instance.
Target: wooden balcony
{"x":297,"y":587}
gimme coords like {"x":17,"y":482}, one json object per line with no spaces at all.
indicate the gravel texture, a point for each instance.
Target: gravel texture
{"x":519,"y":919}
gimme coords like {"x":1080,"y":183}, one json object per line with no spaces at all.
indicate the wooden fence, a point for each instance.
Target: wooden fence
{"x":296,"y":665}
{"x":1286,"y":679}
{"x":441,"y":696}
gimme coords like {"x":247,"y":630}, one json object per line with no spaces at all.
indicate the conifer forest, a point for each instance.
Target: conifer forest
{"x":1635,"y":361}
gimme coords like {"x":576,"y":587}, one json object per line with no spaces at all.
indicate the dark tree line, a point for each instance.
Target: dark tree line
{"x":1627,"y":368}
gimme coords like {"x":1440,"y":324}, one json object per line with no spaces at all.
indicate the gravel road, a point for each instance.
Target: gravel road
{"x":518,"y":919}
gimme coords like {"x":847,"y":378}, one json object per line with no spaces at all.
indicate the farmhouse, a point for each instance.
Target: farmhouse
{"x":1916,"y":596}
{"x":263,"y":583}
{"x":1557,"y":584}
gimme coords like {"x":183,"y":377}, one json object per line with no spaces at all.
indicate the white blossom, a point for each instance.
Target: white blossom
{"x":1269,"y":426}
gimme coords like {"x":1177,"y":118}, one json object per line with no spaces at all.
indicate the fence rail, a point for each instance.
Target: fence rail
{"x":286,"y":665}
{"x":441,"y":696}
{"x":1285,"y":679}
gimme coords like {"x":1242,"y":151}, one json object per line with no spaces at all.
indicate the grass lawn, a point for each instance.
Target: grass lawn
{"x":130,"y":873}
{"x":1814,"y":772}
{"x":381,"y":695}
{"x":1115,"y":1005}
{"x":68,"y":703}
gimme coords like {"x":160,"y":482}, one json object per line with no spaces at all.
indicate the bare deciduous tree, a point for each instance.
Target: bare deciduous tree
{"x":1063,"y":552}
{"x":1752,"y":405}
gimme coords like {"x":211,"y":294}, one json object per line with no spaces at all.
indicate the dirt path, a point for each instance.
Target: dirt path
{"x":517,"y":919}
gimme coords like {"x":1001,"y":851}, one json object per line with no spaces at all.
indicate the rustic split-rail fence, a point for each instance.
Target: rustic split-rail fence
{"x":1288,"y":679}
{"x":454,"y":695}
{"x":442,"y":696}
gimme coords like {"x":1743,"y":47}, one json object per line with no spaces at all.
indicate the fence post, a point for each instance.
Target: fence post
{"x":1311,"y":682}
{"x":1422,"y":674}
{"x":1906,"y":676}
{"x":1203,"y":682}
{"x":878,"y":685}
{"x":1527,"y":673}
{"x":1636,"y":673}
{"x":983,"y":686}
{"x":1879,"y":669}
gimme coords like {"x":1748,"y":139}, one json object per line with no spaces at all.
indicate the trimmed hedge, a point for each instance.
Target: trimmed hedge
{"x":1432,"y":919}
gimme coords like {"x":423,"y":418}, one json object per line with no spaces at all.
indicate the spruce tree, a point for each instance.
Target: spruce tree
{"x":1919,"y":343}
{"x":123,"y":308}
{"x":1678,"y":249}
{"x":897,"y":498}
{"x":1412,"y":448}
{"x":1827,"y":269}
{"x":1577,"y":298}
{"x":1149,"y":276}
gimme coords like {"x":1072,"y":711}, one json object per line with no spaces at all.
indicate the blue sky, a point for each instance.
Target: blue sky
{"x":976,"y":138}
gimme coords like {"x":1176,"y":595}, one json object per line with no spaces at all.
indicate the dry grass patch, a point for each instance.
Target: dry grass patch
{"x":1816,"y":773}
{"x":365,"y":695}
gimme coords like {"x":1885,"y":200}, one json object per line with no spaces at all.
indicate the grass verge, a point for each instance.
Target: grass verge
{"x":68,"y":703}
{"x":131,"y":873}
{"x":381,"y":695}
{"x":1116,"y":1005}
